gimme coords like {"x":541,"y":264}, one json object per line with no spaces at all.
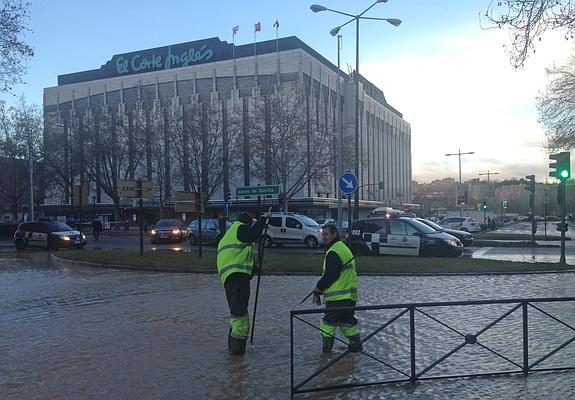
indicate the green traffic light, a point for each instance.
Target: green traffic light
{"x":564,"y":173}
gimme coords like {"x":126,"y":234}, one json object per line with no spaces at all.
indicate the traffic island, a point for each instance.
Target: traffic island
{"x":300,"y":264}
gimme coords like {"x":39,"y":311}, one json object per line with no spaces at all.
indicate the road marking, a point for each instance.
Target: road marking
{"x":481,"y":251}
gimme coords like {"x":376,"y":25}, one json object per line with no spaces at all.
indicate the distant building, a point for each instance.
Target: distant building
{"x":150,"y":94}
{"x":439,"y":195}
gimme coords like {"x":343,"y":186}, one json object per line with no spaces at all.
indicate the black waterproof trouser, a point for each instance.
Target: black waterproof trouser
{"x":237,"y":288}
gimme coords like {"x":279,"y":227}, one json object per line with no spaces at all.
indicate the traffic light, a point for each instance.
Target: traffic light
{"x":561,"y":167}
{"x":505,"y":204}
{"x":484,"y":205}
{"x":531,"y":188}
{"x":227,"y":195}
{"x":479,"y":207}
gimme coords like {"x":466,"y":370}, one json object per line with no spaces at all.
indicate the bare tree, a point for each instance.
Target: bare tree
{"x":107,"y":154}
{"x":14,"y":51}
{"x":290,"y":148}
{"x":528,"y":20}
{"x":20,"y":143}
{"x":557,"y":107}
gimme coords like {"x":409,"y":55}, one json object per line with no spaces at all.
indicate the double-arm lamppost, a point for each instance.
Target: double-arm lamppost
{"x":393,"y":21}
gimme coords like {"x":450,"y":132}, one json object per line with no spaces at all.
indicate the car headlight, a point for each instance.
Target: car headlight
{"x":83,"y":236}
{"x":176,"y":231}
{"x":153,"y":232}
{"x":452,"y":242}
{"x":65,"y":237}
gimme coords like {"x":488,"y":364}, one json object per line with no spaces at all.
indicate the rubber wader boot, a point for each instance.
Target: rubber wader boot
{"x":355,"y":345}
{"x":327,"y":344}
{"x":236,"y":346}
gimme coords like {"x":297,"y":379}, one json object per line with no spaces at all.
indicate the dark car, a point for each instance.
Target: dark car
{"x":464,"y":237}
{"x":402,"y":236}
{"x":48,"y":235}
{"x":168,"y":230}
{"x":211,"y":233}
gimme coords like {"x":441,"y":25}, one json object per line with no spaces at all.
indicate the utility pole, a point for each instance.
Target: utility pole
{"x":339,"y":137}
{"x":31,"y":173}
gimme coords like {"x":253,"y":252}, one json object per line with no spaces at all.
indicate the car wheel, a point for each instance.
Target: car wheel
{"x":193,"y":240}
{"x":79,"y":247}
{"x":20,"y":245}
{"x":464,"y":230}
{"x":310,"y":242}
{"x":267,"y":241}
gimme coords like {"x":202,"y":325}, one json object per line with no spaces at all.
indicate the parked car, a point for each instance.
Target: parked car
{"x":169,"y":230}
{"x":465,"y":238}
{"x":48,"y":235}
{"x":552,"y":218}
{"x":288,"y":228}
{"x":403,"y":236}
{"x":465,"y":224}
{"x":211,"y":233}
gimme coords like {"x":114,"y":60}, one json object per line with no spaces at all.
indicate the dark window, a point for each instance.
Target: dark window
{"x":276,"y":221}
{"x":211,"y":226}
{"x":372,"y":227}
{"x":411,"y":230}
{"x":293,"y":223}
{"x":194,"y":224}
{"x":397,"y":227}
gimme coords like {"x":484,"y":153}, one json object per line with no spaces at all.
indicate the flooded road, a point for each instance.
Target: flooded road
{"x":104,"y":334}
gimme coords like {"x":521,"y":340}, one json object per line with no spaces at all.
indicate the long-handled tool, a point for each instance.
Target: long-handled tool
{"x":311,"y":294}
{"x":260,"y":262}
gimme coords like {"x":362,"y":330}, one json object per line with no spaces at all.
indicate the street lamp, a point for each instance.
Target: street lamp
{"x":459,"y":154}
{"x":393,"y":21}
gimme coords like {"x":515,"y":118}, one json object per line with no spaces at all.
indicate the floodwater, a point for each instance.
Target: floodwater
{"x":78,"y":333}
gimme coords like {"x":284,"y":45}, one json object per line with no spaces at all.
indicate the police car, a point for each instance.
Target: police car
{"x":402,"y":236}
{"x":48,"y":235}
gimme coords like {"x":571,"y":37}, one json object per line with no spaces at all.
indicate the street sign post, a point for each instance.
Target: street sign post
{"x":192,"y":202}
{"x":348,"y":185}
{"x":137,"y":189}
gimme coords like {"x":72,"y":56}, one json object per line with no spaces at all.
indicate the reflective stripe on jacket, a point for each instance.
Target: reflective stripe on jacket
{"x":233,"y":255}
{"x":345,"y":287}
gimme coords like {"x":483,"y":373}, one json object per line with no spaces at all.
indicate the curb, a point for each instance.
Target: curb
{"x":63,"y":262}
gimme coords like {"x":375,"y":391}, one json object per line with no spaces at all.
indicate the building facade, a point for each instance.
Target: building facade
{"x":211,"y":116}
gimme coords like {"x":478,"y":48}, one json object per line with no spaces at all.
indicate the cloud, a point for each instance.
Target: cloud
{"x":460,"y":91}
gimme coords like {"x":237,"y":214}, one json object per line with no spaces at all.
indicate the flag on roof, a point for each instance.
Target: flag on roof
{"x":277,"y":24}
{"x":257,"y":27}
{"x":235,"y":29}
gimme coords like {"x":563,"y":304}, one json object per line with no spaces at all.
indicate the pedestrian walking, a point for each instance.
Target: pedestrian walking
{"x":338,"y":285}
{"x":96,"y":228}
{"x":235,"y":262}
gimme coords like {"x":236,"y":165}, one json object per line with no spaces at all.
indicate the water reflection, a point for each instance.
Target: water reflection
{"x":93,"y":334}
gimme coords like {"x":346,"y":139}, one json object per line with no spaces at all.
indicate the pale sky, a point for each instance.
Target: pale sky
{"x":451,"y":79}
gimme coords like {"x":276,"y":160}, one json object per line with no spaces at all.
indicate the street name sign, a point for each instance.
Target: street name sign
{"x":257,"y":190}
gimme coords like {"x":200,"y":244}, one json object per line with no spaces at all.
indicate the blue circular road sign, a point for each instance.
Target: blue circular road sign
{"x":348,"y":183}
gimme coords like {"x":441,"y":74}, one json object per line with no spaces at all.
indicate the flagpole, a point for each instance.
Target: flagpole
{"x":255,"y":57}
{"x":234,"y":57}
{"x":277,"y":25}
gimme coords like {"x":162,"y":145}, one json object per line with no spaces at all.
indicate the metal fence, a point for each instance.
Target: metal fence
{"x":524,"y":366}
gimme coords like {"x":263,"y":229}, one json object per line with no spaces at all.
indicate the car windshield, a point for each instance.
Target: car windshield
{"x":308,"y":221}
{"x":431,"y":224}
{"x":167,"y":223}
{"x":420,"y":226}
{"x":59,"y":227}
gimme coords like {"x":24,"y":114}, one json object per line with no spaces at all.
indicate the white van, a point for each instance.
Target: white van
{"x":288,"y":228}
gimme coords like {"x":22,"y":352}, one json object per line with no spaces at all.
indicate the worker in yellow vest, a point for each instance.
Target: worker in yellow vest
{"x":235,"y":263}
{"x":338,"y":285}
